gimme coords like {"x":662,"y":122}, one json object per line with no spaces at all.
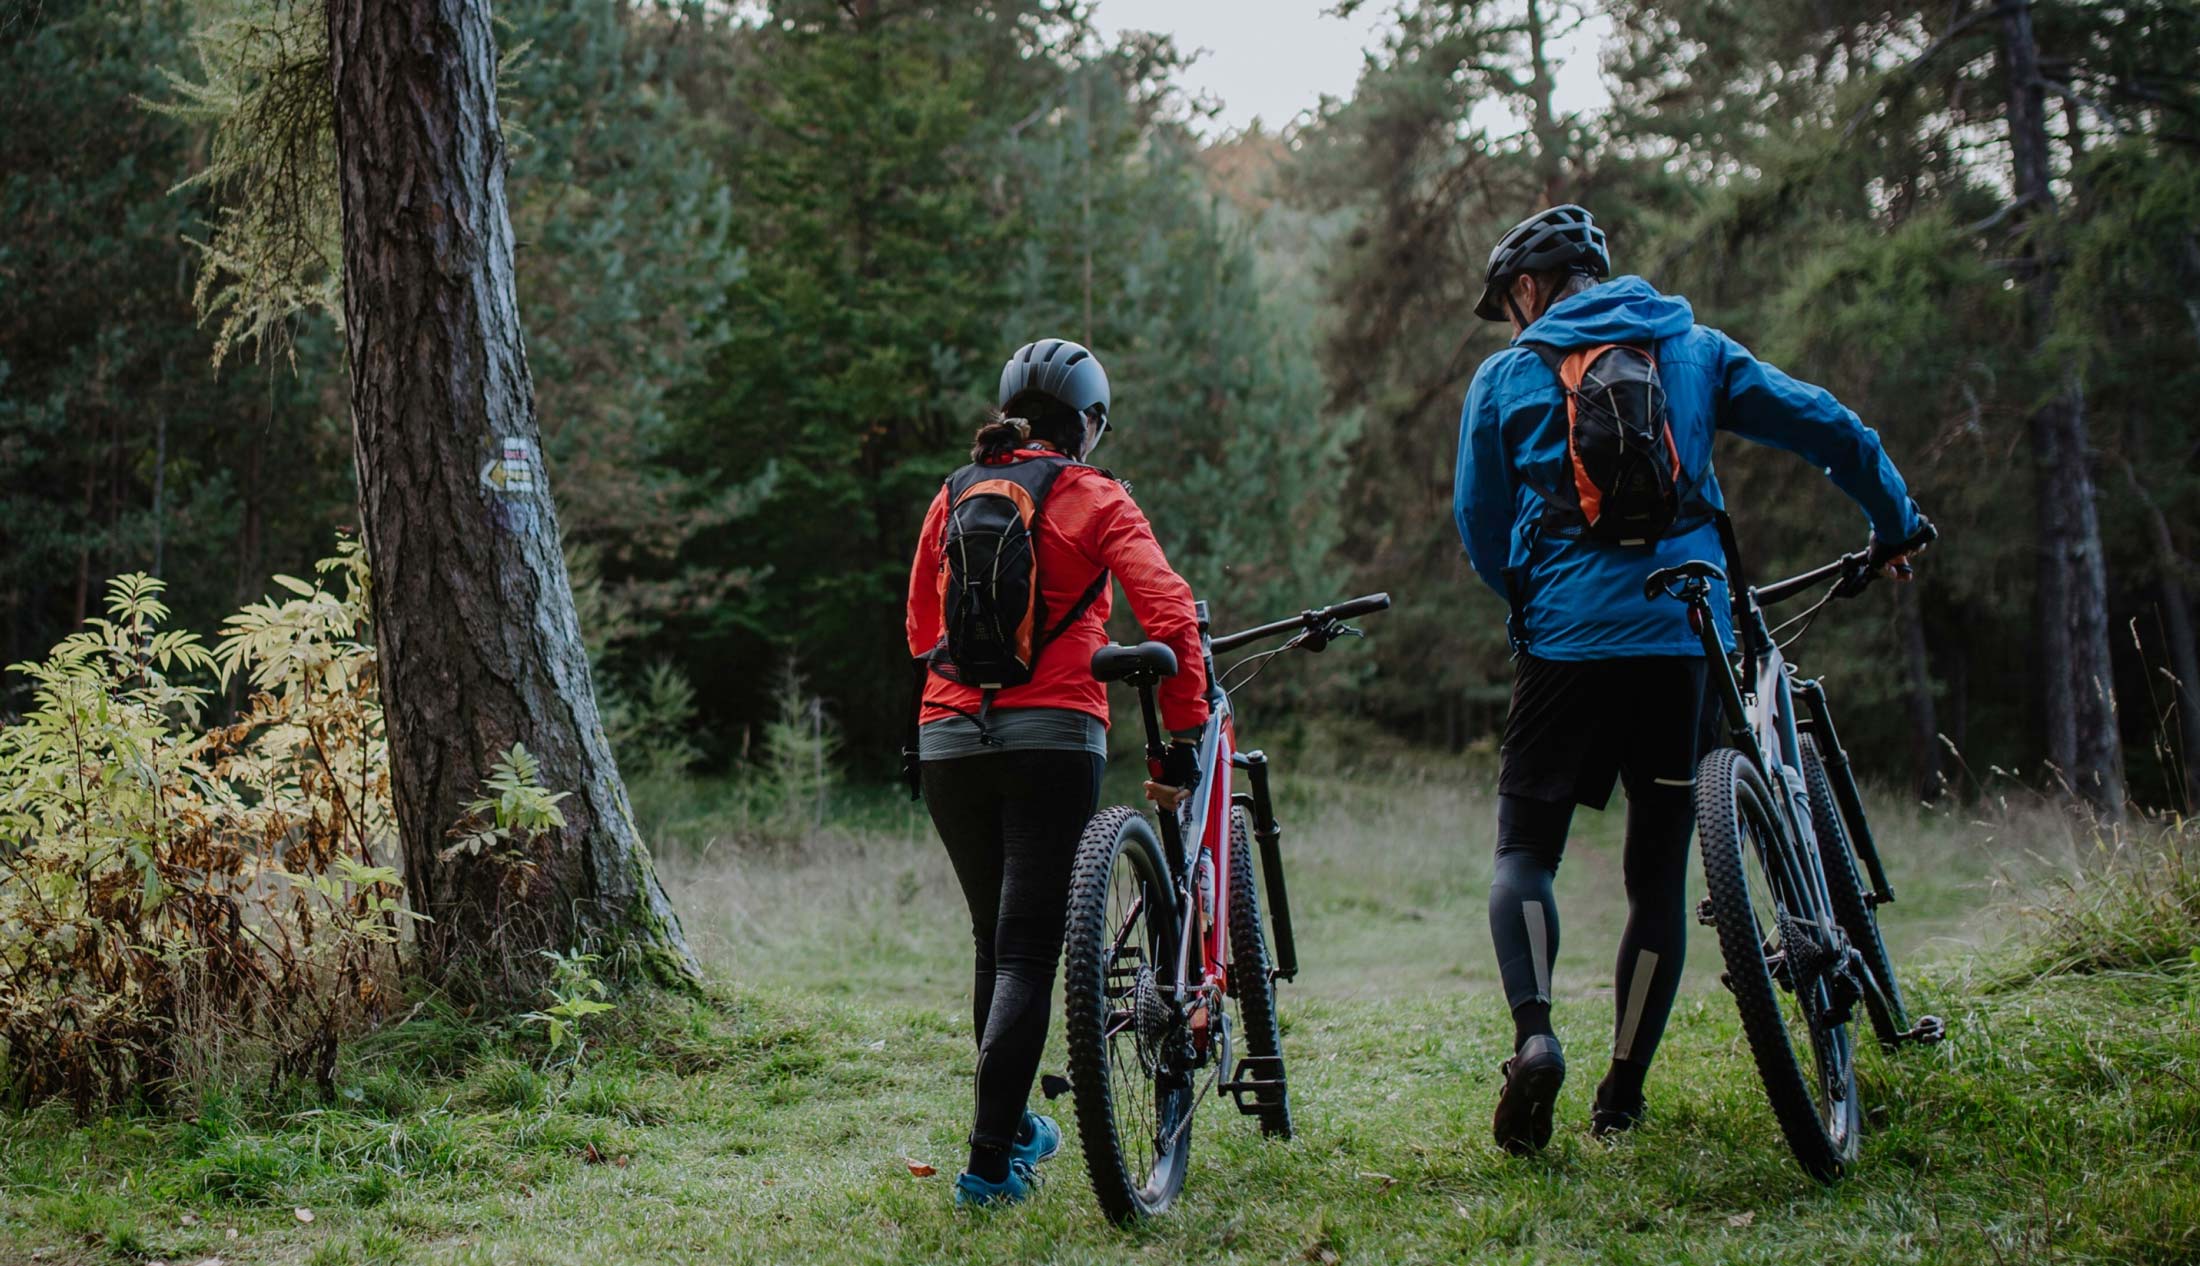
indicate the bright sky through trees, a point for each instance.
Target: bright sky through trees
{"x":1271,"y":59}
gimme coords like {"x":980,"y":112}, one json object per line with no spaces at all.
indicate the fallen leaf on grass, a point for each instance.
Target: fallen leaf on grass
{"x":190,"y":1219}
{"x":1741,"y":1220}
{"x":619,"y":1161}
{"x":302,"y":1213}
{"x":918,"y":1168}
{"x":590,"y":1156}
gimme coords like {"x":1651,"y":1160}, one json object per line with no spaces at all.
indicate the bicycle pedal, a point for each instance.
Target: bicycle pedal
{"x":1054,"y":1086}
{"x":1253,"y":1092}
{"x":1928,"y":1030}
{"x":1704,"y":915}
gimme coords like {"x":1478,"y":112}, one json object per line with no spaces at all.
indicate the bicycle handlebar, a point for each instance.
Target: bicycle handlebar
{"x":1852,"y":571}
{"x":1304,"y":620}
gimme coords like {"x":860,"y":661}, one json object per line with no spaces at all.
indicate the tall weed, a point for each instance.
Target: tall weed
{"x":2133,"y":907}
{"x":171,"y":892}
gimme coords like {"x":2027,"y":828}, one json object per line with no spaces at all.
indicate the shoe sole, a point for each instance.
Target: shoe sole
{"x":1530,"y":1128}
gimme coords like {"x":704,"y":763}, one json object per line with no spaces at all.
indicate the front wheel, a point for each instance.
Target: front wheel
{"x":1266,"y":1094}
{"x":1779,"y":962}
{"x":1128,"y":1046}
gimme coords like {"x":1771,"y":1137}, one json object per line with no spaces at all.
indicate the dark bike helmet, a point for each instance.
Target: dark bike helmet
{"x":1058,"y":368}
{"x":1563,"y":237}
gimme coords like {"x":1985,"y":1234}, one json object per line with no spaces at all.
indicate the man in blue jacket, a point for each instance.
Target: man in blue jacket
{"x":1609,"y":685}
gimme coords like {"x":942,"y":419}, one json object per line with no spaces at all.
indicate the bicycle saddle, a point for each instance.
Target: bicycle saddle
{"x":1125,"y":663}
{"x":1663,"y":579}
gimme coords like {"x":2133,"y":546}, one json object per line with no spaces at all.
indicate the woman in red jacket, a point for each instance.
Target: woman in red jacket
{"x":1011,"y":776}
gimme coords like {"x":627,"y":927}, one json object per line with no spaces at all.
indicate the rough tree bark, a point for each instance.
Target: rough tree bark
{"x":480,"y":646}
{"x":2079,"y":704}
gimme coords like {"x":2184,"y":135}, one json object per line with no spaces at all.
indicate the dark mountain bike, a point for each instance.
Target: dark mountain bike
{"x":1782,"y":830}
{"x":1165,"y":938}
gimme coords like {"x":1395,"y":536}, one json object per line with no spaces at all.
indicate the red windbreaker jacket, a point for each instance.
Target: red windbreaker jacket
{"x":1090,"y":525}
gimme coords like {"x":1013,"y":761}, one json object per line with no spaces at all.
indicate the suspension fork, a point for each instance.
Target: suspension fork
{"x":1268,"y":835}
{"x":1846,"y":798}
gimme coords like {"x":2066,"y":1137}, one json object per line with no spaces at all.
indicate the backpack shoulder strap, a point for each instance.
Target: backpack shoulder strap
{"x":1552,"y":356}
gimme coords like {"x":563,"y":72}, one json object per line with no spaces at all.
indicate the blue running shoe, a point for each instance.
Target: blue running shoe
{"x":973,"y":1192}
{"x":1044,"y":1141}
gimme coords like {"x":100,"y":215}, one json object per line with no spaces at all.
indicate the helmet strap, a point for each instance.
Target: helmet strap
{"x":1514,"y":304}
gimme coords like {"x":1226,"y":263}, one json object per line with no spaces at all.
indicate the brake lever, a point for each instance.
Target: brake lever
{"x":1318,"y":638}
{"x":1859,"y":577}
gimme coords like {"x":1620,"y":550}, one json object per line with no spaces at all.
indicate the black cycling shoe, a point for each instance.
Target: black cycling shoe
{"x":1606,"y":1120}
{"x":1522,"y":1124}
{"x":1617,"y":1108}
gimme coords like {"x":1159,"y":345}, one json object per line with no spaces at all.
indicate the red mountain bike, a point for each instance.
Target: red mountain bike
{"x":1165,"y":933}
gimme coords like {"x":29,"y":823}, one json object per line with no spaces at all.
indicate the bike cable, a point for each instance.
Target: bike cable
{"x":1805,"y":617}
{"x":1256,"y":664}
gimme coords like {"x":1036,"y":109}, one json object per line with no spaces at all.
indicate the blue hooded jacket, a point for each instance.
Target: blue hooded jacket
{"x":1582,"y":600}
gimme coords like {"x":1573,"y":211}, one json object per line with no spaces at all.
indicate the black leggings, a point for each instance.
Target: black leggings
{"x":1531,"y":836}
{"x":1010,"y":821}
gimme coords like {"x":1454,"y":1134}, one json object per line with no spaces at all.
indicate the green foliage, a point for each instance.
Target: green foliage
{"x":169,"y":893}
{"x":576,"y":998}
{"x":788,"y":790}
{"x":652,"y":725}
{"x":771,"y":254}
{"x":119,"y":452}
{"x":263,"y":99}
{"x":505,"y":824}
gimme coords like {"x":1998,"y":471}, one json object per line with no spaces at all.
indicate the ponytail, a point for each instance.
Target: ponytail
{"x":1028,"y":415}
{"x":998,"y":437}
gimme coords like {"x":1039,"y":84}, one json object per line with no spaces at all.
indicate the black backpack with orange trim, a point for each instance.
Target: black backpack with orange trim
{"x":993,"y":611}
{"x":1624,"y":484}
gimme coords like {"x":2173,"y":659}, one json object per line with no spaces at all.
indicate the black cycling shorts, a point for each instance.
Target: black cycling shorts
{"x":1577,"y":727}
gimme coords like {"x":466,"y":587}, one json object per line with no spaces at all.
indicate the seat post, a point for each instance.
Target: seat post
{"x":1156,"y":746}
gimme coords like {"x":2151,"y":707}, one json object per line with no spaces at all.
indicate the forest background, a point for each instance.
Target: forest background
{"x":771,"y":255}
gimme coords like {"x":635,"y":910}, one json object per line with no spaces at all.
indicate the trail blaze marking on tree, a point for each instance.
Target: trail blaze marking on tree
{"x":511,"y":471}
{"x":509,"y":477}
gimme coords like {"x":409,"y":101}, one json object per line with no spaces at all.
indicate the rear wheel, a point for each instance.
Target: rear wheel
{"x":1777,"y":962}
{"x":1128,"y":1048}
{"x":1882,"y":993}
{"x":1255,"y":990}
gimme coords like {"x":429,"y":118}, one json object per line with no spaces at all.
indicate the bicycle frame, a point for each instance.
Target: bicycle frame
{"x":1196,"y":835}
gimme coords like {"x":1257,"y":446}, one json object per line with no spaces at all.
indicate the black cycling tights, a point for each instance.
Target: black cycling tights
{"x":1010,"y":821}
{"x":1531,"y":836}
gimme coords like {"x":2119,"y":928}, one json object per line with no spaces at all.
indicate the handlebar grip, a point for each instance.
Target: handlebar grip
{"x":1925,"y":535}
{"x":1358,"y":606}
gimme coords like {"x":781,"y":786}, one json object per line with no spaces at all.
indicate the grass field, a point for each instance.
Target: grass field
{"x":775,"y":1120}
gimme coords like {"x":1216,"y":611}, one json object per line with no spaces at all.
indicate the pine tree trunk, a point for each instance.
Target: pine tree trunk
{"x":480,"y":646}
{"x":1550,"y":137}
{"x":2079,"y":707}
{"x":2184,"y":658}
